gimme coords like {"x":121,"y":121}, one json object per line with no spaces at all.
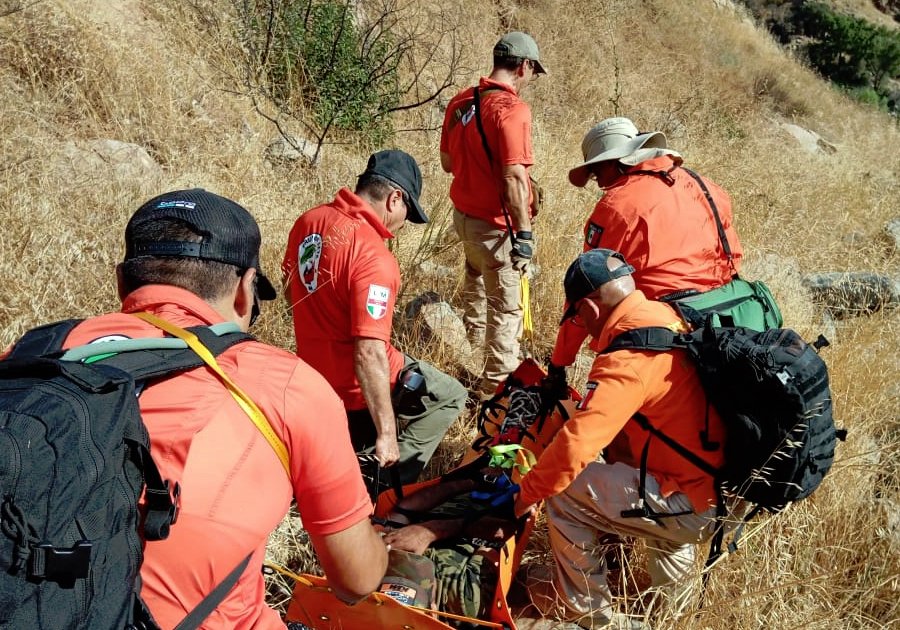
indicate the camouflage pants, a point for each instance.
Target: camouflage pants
{"x":466,"y":578}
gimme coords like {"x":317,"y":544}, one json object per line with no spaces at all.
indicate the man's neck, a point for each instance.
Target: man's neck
{"x":505,"y":77}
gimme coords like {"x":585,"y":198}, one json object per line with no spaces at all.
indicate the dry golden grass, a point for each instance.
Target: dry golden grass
{"x":166,"y":75}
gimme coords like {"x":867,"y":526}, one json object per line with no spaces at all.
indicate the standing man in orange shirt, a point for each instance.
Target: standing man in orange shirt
{"x":486,"y":145}
{"x":342,"y":283}
{"x":665,"y":499}
{"x":192,"y":259}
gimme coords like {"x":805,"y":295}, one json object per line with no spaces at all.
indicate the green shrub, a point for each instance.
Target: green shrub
{"x":315,"y":58}
{"x":849,"y":50}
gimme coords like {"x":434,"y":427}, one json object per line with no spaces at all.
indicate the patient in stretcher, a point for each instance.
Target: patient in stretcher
{"x":442,"y":541}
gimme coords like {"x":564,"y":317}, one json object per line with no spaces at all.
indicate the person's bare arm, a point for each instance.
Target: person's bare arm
{"x":446,"y":162}
{"x":418,"y":537}
{"x":373,"y":371}
{"x":354,"y":560}
{"x":429,"y":497}
{"x":516,"y":190}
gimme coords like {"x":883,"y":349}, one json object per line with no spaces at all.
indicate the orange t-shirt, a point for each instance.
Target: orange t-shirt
{"x":666,"y":232}
{"x":663,"y":386}
{"x":343,"y":281}
{"x":234,"y":490}
{"x":475,"y":190}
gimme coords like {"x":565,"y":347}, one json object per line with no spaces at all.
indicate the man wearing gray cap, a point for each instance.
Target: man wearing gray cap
{"x":673,"y":225}
{"x":486,"y":145}
{"x":342,"y":283}
{"x":639,"y":487}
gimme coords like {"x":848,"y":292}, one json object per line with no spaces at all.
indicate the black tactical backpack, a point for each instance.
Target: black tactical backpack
{"x":771,"y":391}
{"x":74,"y":460}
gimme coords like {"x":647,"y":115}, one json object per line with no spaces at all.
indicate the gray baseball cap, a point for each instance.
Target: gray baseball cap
{"x":522,"y":45}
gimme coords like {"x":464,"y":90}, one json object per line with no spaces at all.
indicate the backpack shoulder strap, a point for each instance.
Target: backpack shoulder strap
{"x":215,"y":597}
{"x":715,"y":211}
{"x":656,"y":338}
{"x":476,"y":97}
{"x":146,"y":359}
{"x":45,"y":339}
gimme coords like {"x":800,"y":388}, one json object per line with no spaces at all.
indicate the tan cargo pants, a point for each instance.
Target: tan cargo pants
{"x":491,"y":300}
{"x":590,"y":508}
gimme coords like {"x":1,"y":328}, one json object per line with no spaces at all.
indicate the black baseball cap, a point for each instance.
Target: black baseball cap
{"x":401,"y":169}
{"x":588,"y":273}
{"x":229,"y":233}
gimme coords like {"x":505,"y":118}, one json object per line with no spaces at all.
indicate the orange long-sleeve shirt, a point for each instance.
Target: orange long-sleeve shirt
{"x":663,"y":386}
{"x":667,"y":232}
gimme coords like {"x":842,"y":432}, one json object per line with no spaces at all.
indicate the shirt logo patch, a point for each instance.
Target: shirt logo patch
{"x":308,"y":256}
{"x":589,"y":390}
{"x":377,"y":301}
{"x":592,"y":235}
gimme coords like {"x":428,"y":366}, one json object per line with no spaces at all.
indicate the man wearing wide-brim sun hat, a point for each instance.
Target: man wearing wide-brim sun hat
{"x":674,"y":226}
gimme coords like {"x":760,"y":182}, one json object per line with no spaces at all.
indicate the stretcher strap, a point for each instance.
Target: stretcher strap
{"x":381,"y":597}
{"x":505,"y":456}
{"x":242,"y":399}
{"x":525,"y":302}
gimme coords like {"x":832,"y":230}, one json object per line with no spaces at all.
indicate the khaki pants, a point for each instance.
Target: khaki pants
{"x":591,"y":507}
{"x":491,"y":299}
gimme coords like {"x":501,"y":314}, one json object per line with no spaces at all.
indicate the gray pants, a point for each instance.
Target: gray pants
{"x":590,"y":508}
{"x":423,"y":418}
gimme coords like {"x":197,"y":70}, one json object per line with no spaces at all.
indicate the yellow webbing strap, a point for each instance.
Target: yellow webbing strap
{"x":242,"y":399}
{"x":527,"y":323}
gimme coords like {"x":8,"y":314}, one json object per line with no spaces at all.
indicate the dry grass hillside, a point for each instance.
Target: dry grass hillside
{"x":166,"y":75}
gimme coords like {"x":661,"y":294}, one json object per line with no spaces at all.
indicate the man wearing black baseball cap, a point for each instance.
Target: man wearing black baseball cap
{"x":342,"y":283}
{"x":589,"y":495}
{"x":192,"y":260}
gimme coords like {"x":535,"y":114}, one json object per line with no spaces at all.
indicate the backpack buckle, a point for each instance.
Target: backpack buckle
{"x":60,"y":564}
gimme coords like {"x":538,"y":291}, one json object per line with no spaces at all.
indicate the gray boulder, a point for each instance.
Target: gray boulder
{"x":98,"y":160}
{"x":846,"y":294}
{"x":434,"y":321}
{"x":286,"y":149}
{"x":809,"y":140}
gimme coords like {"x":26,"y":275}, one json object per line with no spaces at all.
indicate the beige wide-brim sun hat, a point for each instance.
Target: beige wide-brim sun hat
{"x":613,"y":139}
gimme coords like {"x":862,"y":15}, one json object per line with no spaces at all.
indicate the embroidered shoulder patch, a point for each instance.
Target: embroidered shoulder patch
{"x":377,"y":301}
{"x":588,"y":394}
{"x":308,"y":255}
{"x":592,"y":235}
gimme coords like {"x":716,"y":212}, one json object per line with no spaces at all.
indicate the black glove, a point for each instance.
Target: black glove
{"x":554,"y":385}
{"x":522,"y":251}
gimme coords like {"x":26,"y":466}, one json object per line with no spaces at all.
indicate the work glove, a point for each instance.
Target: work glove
{"x":554,"y":386}
{"x":522,"y":251}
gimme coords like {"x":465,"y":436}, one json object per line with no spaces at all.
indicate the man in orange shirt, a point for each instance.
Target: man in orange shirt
{"x":342,"y":283}
{"x":192,"y":258}
{"x":486,"y":144}
{"x":656,"y":215}
{"x":667,"y":500}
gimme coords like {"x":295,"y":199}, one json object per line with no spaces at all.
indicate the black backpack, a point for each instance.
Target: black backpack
{"x":771,"y":391}
{"x":74,"y":459}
